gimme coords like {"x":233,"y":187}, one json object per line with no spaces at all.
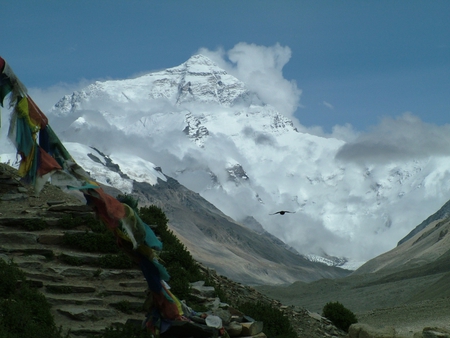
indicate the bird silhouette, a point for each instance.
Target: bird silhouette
{"x":282,"y":212}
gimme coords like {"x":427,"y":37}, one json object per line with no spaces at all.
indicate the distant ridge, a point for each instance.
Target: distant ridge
{"x":442,"y":213}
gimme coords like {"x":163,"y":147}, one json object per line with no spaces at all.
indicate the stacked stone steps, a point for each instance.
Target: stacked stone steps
{"x":83,"y":297}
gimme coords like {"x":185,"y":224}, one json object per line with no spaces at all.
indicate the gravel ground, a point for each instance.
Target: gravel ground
{"x":410,"y":318}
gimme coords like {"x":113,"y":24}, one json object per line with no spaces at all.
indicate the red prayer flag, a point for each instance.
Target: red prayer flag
{"x":46,"y":163}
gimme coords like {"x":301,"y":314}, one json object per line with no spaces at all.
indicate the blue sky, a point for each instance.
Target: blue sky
{"x":355,"y":62}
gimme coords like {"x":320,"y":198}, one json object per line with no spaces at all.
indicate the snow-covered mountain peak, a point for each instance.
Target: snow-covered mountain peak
{"x":198,"y":64}
{"x":208,"y":131}
{"x":197,"y":80}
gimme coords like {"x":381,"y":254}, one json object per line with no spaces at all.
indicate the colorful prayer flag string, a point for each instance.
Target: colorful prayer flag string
{"x":43,"y":156}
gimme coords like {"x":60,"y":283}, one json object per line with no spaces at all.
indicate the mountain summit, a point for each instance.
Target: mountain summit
{"x":206,"y":129}
{"x":197,"y":80}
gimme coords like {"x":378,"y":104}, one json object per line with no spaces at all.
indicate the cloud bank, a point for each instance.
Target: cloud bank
{"x":397,"y":139}
{"x":261,"y":69}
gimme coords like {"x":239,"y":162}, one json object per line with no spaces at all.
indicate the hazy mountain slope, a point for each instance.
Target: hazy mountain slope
{"x":232,"y":249}
{"x":442,"y":213}
{"x":427,"y":248}
{"x":212,"y":237}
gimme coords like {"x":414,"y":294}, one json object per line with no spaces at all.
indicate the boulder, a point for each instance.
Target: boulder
{"x":234,"y":329}
{"x":252,"y":328}
{"x":435,"y":332}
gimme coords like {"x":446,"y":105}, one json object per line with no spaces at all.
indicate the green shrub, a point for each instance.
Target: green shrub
{"x":70,"y":260}
{"x":70,"y":222}
{"x":24,"y":312}
{"x":35,"y":224}
{"x":59,"y":289}
{"x":123,"y":306}
{"x":275,"y":323}
{"x":104,"y":242}
{"x":152,"y":215}
{"x":117,"y":261}
{"x":178,"y":261}
{"x":10,"y":275}
{"x":340,"y":316}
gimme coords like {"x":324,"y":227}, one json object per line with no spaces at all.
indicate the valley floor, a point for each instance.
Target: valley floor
{"x":407,"y":305}
{"x":410,"y":318}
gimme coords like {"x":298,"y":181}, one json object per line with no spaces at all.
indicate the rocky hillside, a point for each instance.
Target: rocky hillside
{"x":232,"y":249}
{"x":86,"y":297}
{"x":428,"y":250}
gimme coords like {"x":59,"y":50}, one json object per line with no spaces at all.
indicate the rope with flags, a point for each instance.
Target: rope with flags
{"x":44,"y":157}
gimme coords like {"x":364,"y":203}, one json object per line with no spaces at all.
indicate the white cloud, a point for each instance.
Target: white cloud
{"x":261,"y":68}
{"x":402,"y":138}
{"x":341,"y":132}
{"x":328,"y":105}
{"x":45,"y":98}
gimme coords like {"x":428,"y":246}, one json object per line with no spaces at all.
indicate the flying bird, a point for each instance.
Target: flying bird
{"x":282,"y":212}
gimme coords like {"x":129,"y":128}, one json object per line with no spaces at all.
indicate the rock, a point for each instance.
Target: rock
{"x":359,"y":330}
{"x":137,"y":294}
{"x":142,"y":284}
{"x":84,"y":314}
{"x":224,"y":315}
{"x":6,"y":180}
{"x":315,"y":315}
{"x":52,"y":239}
{"x":48,"y":253}
{"x":77,"y":300}
{"x":68,"y":208}
{"x":435,"y":332}
{"x":30,"y":265}
{"x":65,"y":289}
{"x":13,"y":197}
{"x":79,"y":258}
{"x":252,"y":328}
{"x":51,"y":203}
{"x":16,"y":221}
{"x":234,"y":329}
{"x":205,"y":291}
{"x":212,"y":303}
{"x":18,"y":237}
{"x":43,"y":276}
